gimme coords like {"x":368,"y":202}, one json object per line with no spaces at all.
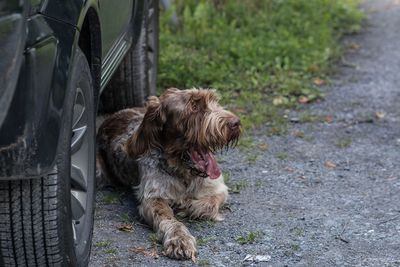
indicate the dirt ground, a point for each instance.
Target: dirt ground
{"x":325,"y":194}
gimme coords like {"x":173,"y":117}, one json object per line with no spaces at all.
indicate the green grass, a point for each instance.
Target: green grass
{"x":111,"y":198}
{"x":307,"y":116}
{"x":204,"y":262}
{"x":153,"y":238}
{"x":236,"y":187}
{"x":250,"y":238}
{"x":343,"y":142}
{"x":125,"y":218}
{"x":281,"y":155}
{"x":261,"y":55}
{"x":103,"y":244}
{"x":201,"y":241}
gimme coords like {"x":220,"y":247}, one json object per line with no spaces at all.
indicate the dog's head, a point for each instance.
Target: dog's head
{"x":188,"y":126}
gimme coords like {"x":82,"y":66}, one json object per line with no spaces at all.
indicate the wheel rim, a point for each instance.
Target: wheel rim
{"x":80,"y":172}
{"x":152,"y":45}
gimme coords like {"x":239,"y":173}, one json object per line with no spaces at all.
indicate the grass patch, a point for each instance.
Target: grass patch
{"x":261,"y":55}
{"x":343,"y":142}
{"x":203,"y":241}
{"x":111,"y":198}
{"x":125,"y":218}
{"x":103,"y":244}
{"x":251,"y":158}
{"x":281,"y":155}
{"x":236,"y":187}
{"x":153,"y":238}
{"x":250,"y":238}
{"x":110,"y":251}
{"x":204,"y":262}
{"x":308,"y":117}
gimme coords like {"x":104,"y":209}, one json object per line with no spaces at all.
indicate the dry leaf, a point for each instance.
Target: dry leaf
{"x":328,"y":119}
{"x":303,"y":100}
{"x":330,"y":164}
{"x":152,"y":252}
{"x":380,"y":115}
{"x":354,"y":46}
{"x":318,"y":81}
{"x":125,"y":227}
{"x":263,"y":146}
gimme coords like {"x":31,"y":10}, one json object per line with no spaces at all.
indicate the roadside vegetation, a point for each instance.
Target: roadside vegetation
{"x":263,"y":56}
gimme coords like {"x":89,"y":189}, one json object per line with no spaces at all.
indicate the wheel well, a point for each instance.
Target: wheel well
{"x":90,"y":43}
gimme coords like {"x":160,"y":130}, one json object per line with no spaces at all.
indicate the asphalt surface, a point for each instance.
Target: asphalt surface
{"x":325,"y":194}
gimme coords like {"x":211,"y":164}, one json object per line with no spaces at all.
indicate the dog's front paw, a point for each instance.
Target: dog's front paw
{"x":181,"y":246}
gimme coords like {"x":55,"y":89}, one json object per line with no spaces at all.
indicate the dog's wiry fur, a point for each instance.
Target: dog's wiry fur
{"x":167,"y":151}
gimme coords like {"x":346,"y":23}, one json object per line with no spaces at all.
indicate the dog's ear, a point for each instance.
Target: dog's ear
{"x":147,"y":135}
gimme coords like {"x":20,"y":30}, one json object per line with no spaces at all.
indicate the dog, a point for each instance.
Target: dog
{"x":167,"y":151}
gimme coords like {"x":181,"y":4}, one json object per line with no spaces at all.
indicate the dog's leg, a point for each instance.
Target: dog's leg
{"x":208,"y":200}
{"x":206,"y":207}
{"x":177,"y":241}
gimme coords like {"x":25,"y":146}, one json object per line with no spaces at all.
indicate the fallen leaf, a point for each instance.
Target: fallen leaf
{"x":380,"y":115}
{"x":329,"y":164}
{"x":125,"y":227}
{"x":152,"y":252}
{"x":289,"y":169}
{"x":303,"y":100}
{"x":328,"y":119}
{"x":318,"y":81}
{"x":354,"y":46}
{"x":263,"y":146}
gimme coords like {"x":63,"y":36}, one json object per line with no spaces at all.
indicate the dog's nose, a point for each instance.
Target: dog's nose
{"x":234,"y":123}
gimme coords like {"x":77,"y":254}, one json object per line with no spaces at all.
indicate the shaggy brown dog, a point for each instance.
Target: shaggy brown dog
{"x":167,"y":152}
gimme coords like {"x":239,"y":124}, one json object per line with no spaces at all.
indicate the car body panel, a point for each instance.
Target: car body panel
{"x":30,"y":131}
{"x":12,"y":35}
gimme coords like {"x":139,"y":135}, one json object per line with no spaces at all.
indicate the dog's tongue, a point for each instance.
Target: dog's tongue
{"x":207,"y":163}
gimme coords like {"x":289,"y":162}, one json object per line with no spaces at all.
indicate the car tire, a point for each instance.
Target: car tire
{"x":48,"y":221}
{"x":135,"y":79}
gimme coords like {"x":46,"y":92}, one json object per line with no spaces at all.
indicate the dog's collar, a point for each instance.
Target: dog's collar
{"x":163,"y":164}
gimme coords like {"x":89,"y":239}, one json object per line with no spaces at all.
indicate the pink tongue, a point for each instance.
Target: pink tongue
{"x":212,"y":168}
{"x":208,"y":165}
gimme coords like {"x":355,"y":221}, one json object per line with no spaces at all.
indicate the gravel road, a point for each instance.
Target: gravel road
{"x":325,"y":194}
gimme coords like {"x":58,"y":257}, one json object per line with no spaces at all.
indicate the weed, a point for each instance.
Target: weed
{"x":204,"y":262}
{"x":202,"y":241}
{"x":281,"y":155}
{"x":227,"y":177}
{"x":250,"y":238}
{"x":297,"y":231}
{"x":308,"y":117}
{"x":110,"y":251}
{"x":238,"y":186}
{"x":258,"y":183}
{"x":111,"y":198}
{"x":103,"y":244}
{"x":251,"y":158}
{"x":343,"y":142}
{"x":125,"y":218}
{"x":246,"y":142}
{"x":153,"y":238}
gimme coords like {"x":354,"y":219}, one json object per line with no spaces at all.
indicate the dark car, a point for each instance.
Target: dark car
{"x":56,"y":59}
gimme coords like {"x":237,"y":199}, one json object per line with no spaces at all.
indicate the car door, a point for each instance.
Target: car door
{"x":114,"y":20}
{"x":13,"y":32}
